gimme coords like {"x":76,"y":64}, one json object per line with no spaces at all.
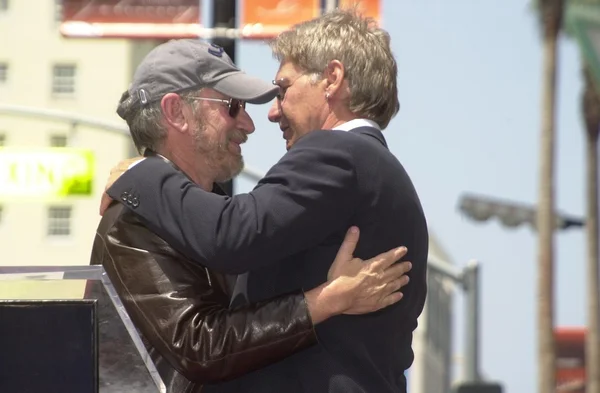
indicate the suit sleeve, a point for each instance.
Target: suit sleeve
{"x":182,"y":311}
{"x":304,"y":198}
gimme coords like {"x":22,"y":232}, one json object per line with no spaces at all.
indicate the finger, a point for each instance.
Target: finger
{"x":112,"y":179}
{"x":396,"y":285}
{"x":103,"y":206}
{"x":348,"y":246}
{"x":392,"y":287}
{"x":399,"y":268}
{"x":388,"y":258}
{"x":124,"y":165}
{"x":396,"y":271}
{"x":392,"y":299}
{"x":104,"y":203}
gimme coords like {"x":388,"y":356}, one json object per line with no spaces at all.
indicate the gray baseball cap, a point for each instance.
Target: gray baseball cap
{"x":188,"y":64}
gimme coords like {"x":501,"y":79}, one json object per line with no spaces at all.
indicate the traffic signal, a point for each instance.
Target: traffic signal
{"x":479,"y":387}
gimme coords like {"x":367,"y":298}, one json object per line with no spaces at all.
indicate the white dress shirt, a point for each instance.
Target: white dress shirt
{"x":349,"y":125}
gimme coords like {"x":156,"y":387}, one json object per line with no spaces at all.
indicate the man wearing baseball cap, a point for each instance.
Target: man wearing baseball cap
{"x":186,"y":105}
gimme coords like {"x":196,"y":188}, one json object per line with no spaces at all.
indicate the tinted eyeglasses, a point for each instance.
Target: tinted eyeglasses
{"x":284,"y":84}
{"x":234,"y":104}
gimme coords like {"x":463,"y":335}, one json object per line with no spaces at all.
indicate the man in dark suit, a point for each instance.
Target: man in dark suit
{"x":187,"y":99}
{"x":334,"y":101}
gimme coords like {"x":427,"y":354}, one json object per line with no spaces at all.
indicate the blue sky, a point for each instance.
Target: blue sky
{"x":469,"y":86}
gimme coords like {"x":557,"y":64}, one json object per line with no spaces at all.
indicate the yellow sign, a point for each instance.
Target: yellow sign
{"x":45,"y":173}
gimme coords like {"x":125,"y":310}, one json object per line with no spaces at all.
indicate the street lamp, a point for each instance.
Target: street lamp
{"x":510,"y":214}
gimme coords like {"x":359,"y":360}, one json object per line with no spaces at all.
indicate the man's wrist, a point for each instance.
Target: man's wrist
{"x":325,"y":301}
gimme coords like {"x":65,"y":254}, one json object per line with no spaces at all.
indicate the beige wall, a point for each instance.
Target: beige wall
{"x":31,"y":45}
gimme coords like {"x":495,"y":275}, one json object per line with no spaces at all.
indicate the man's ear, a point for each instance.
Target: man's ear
{"x":173,"y":108}
{"x":334,"y":74}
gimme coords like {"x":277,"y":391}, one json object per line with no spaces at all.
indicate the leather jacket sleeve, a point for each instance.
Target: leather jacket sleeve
{"x":182,"y":308}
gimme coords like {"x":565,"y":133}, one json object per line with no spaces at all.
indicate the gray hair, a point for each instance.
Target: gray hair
{"x":360,"y":45}
{"x":146,"y":123}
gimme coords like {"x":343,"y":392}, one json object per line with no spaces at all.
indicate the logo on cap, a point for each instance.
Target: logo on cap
{"x":143,"y":96}
{"x":216,"y":50}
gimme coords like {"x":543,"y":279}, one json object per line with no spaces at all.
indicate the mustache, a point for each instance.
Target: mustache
{"x":239,"y":135}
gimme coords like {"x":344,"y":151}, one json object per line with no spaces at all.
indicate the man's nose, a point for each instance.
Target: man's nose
{"x":245,"y":122}
{"x":275,"y":111}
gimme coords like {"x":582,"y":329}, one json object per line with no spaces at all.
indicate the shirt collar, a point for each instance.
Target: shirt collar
{"x":349,"y":125}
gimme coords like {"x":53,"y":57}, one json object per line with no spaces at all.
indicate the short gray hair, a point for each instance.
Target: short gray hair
{"x":146,"y":123}
{"x":360,"y":45}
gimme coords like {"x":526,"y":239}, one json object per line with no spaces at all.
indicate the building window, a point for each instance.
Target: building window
{"x":3,"y":72}
{"x":59,"y":220}
{"x":58,"y":140}
{"x":63,"y":80}
{"x":4,"y":5}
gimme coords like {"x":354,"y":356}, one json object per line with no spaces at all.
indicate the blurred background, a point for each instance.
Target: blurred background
{"x":498,"y":128}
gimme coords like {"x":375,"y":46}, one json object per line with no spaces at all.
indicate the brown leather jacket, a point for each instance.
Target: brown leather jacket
{"x":182,"y":309}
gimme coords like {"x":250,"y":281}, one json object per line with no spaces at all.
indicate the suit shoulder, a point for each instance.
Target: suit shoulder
{"x":340,"y":140}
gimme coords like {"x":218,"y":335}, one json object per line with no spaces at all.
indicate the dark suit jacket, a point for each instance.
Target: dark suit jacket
{"x":287,"y":232}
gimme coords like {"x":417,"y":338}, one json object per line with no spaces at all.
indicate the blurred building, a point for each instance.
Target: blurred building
{"x":432,"y":341}
{"x":570,"y":359}
{"x":39,"y":69}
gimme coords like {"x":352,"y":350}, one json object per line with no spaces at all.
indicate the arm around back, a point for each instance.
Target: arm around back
{"x":305,"y":197}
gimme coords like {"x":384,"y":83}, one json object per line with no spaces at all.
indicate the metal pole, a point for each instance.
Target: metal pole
{"x":73,"y":118}
{"x":330,"y":5}
{"x":469,"y":279}
{"x":224,"y":17}
{"x":445,"y":269}
{"x":471,"y":287}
